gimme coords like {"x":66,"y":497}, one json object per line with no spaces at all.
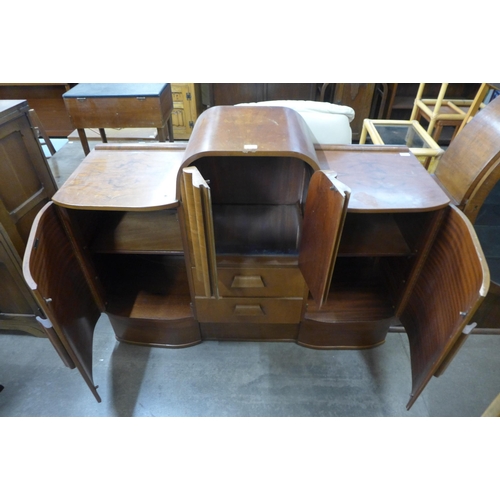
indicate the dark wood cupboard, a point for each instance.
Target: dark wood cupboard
{"x":46,"y":99}
{"x":250,"y":233}
{"x":26,"y":185}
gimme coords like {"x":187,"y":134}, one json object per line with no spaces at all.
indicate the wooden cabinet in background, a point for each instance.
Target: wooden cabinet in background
{"x":224,"y":94}
{"x":46,"y":99}
{"x":26,"y":184}
{"x":187,"y":107}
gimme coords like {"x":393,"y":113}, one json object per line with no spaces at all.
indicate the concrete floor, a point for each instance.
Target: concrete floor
{"x":238,"y":378}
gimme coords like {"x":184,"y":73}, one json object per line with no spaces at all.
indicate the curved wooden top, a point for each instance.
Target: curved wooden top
{"x":123,"y":179}
{"x":383,"y":179}
{"x":250,"y":130}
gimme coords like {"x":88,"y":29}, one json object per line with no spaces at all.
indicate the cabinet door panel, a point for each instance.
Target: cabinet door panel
{"x":200,"y":233}
{"x":53,"y":273}
{"x":26,"y":182}
{"x":452,"y":284}
{"x":324,"y":217}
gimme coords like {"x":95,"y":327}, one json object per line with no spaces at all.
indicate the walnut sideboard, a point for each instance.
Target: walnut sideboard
{"x":251,"y":233}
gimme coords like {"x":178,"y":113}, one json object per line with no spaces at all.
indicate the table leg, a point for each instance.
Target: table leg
{"x":84,"y":141}
{"x":161,"y":134}
{"x":103,"y":135}
{"x":170,"y":130}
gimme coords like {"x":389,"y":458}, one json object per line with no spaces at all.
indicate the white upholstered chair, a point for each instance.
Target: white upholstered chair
{"x":328,"y":123}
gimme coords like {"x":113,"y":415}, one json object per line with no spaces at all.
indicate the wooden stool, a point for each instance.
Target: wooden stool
{"x":120,"y":105}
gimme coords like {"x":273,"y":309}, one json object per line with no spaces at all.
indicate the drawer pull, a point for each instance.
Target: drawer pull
{"x":247,"y":282}
{"x":248,"y":310}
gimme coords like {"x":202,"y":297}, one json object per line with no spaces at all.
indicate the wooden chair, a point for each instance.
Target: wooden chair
{"x":440,"y":112}
{"x":478,"y":102}
{"x":40,"y":131}
{"x":468,"y":170}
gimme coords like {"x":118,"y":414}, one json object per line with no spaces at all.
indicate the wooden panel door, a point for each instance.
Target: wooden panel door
{"x":197,"y":207}
{"x":26,"y":181}
{"x":452,"y":284}
{"x":186,"y":101}
{"x":56,"y":278}
{"x":18,"y":307}
{"x":324,"y":216}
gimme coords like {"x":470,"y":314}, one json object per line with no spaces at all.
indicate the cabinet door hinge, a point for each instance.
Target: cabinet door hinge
{"x":188,"y":96}
{"x":191,"y":124}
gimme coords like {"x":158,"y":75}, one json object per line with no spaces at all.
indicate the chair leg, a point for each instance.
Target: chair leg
{"x":41,"y":131}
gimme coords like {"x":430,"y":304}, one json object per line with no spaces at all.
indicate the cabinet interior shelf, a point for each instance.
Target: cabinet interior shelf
{"x":359,"y":290}
{"x":145,"y":286}
{"x":154,"y":232}
{"x":372,"y":235}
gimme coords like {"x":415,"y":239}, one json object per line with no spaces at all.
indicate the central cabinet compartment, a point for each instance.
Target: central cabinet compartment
{"x":257,"y":203}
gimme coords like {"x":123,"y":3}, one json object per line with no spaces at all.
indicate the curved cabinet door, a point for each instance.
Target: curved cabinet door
{"x":324,"y":217}
{"x":54,"y":274}
{"x":453,"y":282}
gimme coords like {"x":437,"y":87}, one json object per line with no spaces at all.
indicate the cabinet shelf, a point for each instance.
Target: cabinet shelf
{"x":145,"y":287}
{"x":257,"y":229}
{"x":358,"y":292}
{"x":154,"y":232}
{"x":375,"y":235}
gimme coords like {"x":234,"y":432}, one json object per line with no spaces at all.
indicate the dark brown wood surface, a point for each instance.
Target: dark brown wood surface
{"x":123,"y":180}
{"x":450,"y":288}
{"x":383,"y":179}
{"x":250,"y":131}
{"x":324,"y":217}
{"x":26,"y":180}
{"x":26,"y":184}
{"x":223,"y":94}
{"x":116,"y":112}
{"x":18,"y":307}
{"x":53,"y":273}
{"x":470,"y":167}
{"x":46,"y":99}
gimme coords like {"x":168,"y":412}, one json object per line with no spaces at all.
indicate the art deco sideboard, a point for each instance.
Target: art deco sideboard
{"x":251,"y":232}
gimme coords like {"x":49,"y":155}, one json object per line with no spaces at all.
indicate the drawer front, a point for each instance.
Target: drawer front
{"x":249,"y":310}
{"x":260,"y":282}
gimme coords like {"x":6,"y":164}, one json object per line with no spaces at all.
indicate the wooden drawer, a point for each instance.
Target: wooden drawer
{"x":260,"y":282}
{"x":249,"y":310}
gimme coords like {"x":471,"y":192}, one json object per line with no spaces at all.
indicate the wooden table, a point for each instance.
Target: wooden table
{"x":101,"y":105}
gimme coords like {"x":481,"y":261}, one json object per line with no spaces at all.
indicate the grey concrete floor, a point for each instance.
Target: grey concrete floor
{"x":237,"y":378}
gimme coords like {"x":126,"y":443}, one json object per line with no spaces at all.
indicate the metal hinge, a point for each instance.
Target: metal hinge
{"x":191,"y":124}
{"x":188,"y":96}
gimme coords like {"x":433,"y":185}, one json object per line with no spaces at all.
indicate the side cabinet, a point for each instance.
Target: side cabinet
{"x":26,"y":185}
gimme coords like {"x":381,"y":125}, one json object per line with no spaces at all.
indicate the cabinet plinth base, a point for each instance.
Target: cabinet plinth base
{"x":343,"y":335}
{"x":256,"y":331}
{"x":183,"y":332}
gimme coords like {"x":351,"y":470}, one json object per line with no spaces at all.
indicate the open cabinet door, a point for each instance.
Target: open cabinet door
{"x":54,"y":274}
{"x":324,"y":217}
{"x":452,"y":284}
{"x":197,"y":205}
